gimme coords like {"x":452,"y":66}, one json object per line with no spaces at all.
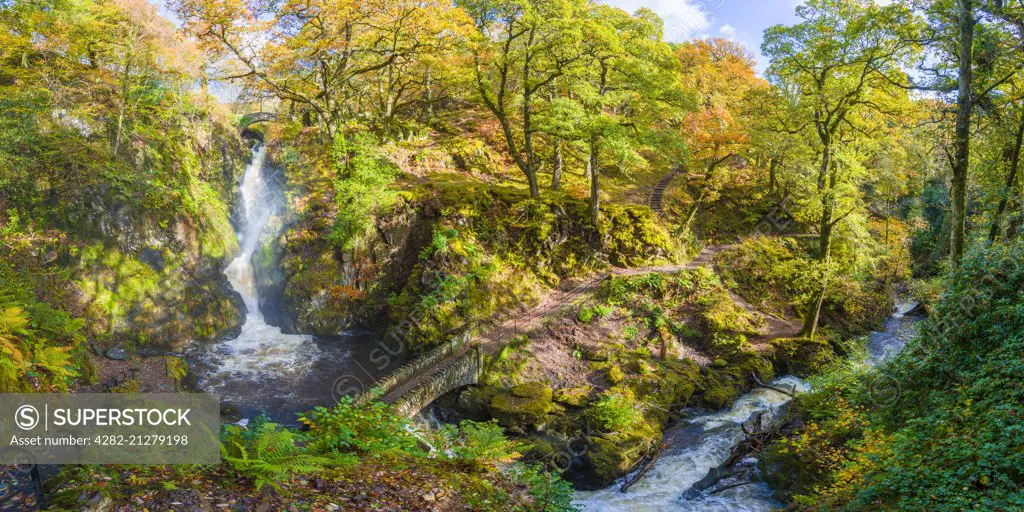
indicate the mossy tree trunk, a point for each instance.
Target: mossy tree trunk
{"x":595,"y":179}
{"x":1011,"y":179}
{"x":962,"y":133}
{"x":826,"y":181}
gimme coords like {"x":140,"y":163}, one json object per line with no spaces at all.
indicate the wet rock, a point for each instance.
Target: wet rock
{"x":116,"y":353}
{"x":474,"y":401}
{"x":610,"y":456}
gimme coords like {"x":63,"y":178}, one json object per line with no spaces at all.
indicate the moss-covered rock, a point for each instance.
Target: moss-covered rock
{"x":784,"y":472}
{"x":610,"y":456}
{"x":574,"y":397}
{"x":601,"y":353}
{"x":720,"y":389}
{"x":523,"y":406}
{"x":614,"y":374}
{"x":801,"y":356}
{"x":722,"y":384}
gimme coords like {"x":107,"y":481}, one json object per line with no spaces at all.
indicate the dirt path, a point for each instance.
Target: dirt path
{"x":492,"y":339}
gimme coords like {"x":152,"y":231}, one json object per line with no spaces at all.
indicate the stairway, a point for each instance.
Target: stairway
{"x":659,"y":191}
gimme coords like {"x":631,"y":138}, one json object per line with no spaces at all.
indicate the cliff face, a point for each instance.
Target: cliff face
{"x":146,"y":233}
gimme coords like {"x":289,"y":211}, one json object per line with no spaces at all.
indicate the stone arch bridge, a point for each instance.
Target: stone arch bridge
{"x":252,"y":118}
{"x":418,"y":383}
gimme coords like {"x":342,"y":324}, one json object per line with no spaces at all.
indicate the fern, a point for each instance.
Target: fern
{"x":485,"y":443}
{"x":57,"y":362}
{"x":13,"y":359}
{"x":267,"y":453}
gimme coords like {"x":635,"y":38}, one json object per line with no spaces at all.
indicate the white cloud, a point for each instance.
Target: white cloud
{"x":728,"y":31}
{"x":684,"y":19}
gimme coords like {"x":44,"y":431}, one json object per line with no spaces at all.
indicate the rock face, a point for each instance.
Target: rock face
{"x":152,"y":278}
{"x":525,"y":406}
{"x":322,"y":290}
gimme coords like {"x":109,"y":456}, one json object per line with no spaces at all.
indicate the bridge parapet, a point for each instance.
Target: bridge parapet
{"x":463,"y":371}
{"x":414,"y":368}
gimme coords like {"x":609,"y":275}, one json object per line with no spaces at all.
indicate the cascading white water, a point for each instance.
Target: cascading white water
{"x":697,"y":446}
{"x":261,"y":353}
{"x":259,"y":347}
{"x":706,"y":441}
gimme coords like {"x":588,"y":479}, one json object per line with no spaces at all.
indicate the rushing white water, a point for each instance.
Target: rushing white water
{"x":706,"y":441}
{"x":261,"y":352}
{"x":899,"y":328}
{"x":695,"y":447}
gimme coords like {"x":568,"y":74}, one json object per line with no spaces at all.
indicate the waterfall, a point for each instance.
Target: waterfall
{"x":261,"y":364}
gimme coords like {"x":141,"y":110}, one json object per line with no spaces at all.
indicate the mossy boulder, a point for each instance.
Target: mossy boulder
{"x":721,"y":385}
{"x":747,"y":363}
{"x":574,"y":397}
{"x":719,"y":390}
{"x":801,"y":356}
{"x":615,"y":375}
{"x":601,"y":353}
{"x":611,"y":456}
{"x":523,"y":406}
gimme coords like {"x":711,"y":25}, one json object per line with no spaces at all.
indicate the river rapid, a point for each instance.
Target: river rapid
{"x":705,"y":441}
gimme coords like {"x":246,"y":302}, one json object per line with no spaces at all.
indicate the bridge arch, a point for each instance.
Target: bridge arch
{"x":255,"y":117}
{"x":417,"y":384}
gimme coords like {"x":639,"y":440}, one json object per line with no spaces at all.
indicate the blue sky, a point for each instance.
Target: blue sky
{"x":740,"y":20}
{"x":743,"y":21}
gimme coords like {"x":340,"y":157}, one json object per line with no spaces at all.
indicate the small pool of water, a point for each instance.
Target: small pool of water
{"x":297,"y":375}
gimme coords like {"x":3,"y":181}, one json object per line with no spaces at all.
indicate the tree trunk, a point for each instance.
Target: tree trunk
{"x":595,"y":179}
{"x":962,"y":135}
{"x":429,"y":96}
{"x":1011,"y":180}
{"x":530,"y":157}
{"x":557,"y":164}
{"x":810,"y":327}
{"x":773,"y":164}
{"x":120,"y":125}
{"x":825,"y":227}
{"x":125,"y":89}
{"x":826,"y":182}
{"x":697,"y":201}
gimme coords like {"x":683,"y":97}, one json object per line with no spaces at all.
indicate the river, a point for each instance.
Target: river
{"x":706,"y":440}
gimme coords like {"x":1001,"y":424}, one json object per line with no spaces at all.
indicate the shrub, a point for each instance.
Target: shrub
{"x":478,"y":443}
{"x":616,"y":412}
{"x":371,"y":428}
{"x":938,"y":428}
{"x":362,"y":189}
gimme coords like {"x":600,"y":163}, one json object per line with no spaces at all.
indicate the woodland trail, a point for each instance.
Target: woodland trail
{"x":492,"y":339}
